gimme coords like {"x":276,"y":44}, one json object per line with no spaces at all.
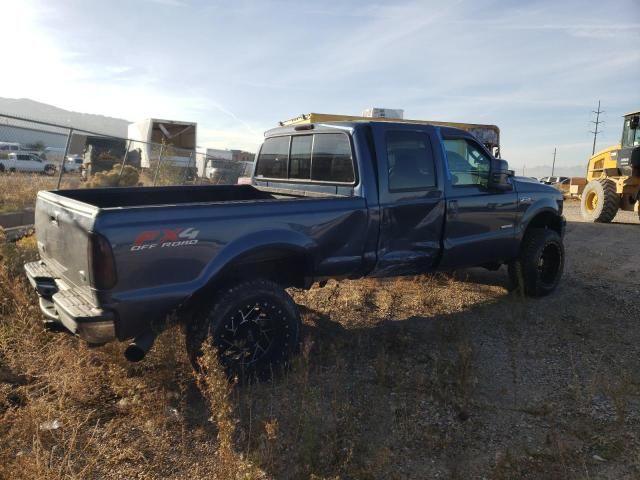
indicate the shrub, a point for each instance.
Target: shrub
{"x":112,"y":178}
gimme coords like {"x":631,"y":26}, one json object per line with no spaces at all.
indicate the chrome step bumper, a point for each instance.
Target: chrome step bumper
{"x":68,"y":308}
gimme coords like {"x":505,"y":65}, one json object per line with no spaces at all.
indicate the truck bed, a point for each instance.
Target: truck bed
{"x":109,"y":198}
{"x":142,"y":196}
{"x":66,"y":218}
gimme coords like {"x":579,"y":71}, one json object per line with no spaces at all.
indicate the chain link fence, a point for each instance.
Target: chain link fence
{"x":37,"y":155}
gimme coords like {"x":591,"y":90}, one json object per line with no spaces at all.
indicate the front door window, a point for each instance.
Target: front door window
{"x":468,"y":164}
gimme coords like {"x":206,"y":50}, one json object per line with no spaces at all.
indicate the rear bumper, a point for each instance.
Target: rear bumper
{"x":67,"y":308}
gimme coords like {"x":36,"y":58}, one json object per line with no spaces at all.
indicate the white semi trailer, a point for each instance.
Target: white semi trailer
{"x":178,"y":138}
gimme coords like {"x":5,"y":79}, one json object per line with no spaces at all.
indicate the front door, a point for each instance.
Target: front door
{"x":35,"y":164}
{"x":411,"y":199}
{"x":480,"y":226}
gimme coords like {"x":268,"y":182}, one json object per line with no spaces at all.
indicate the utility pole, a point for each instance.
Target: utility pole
{"x":553,"y":165}
{"x":597,"y":123}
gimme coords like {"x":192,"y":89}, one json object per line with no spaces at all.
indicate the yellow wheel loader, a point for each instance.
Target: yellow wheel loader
{"x":613,"y":176}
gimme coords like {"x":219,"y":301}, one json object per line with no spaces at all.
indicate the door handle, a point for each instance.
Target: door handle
{"x":453,"y":207}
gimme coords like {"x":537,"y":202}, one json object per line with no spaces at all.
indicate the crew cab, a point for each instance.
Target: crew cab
{"x":26,"y":162}
{"x":326,"y":200}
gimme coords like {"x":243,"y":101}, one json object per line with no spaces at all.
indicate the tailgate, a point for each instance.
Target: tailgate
{"x":62,"y":229}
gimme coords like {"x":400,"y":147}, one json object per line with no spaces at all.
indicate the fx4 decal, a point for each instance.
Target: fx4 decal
{"x":166,"y":238}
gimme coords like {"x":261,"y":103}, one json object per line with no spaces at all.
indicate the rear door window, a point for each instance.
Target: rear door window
{"x":332,"y":160}
{"x":274,"y":157}
{"x":410,"y":161}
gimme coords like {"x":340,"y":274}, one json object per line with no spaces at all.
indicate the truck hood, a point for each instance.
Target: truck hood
{"x":529,"y":185}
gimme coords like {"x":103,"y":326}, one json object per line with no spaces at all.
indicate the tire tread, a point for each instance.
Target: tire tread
{"x":206,"y":321}
{"x":522,"y":278}
{"x":610,"y":201}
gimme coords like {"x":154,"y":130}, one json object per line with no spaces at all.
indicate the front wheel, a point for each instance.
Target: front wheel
{"x":49,"y":170}
{"x":538,"y":269}
{"x":254,"y":325}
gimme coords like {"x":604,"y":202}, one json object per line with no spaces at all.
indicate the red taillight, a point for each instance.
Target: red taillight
{"x":102,"y":266}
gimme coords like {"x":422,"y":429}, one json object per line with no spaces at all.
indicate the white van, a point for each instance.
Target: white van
{"x":6,"y":147}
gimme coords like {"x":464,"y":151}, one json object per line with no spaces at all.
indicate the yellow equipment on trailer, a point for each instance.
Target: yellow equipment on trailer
{"x":489,"y":135}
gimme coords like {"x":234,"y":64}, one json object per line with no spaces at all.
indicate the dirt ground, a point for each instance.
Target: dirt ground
{"x":411,"y":378}
{"x":563,"y":371}
{"x":603,"y":245}
{"x":545,"y":388}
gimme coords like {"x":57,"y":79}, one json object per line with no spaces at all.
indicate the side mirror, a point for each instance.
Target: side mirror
{"x":499,"y":175}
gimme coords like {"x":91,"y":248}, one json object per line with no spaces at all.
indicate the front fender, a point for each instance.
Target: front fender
{"x":541,"y":206}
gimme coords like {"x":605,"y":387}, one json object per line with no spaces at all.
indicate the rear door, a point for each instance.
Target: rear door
{"x":10,"y":162}
{"x":480,"y":224}
{"x":411,"y":199}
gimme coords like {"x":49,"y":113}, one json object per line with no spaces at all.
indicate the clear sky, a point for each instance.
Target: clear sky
{"x":536,"y":69}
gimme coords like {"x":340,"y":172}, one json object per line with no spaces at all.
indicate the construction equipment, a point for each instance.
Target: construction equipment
{"x":613,"y":176}
{"x":489,"y":135}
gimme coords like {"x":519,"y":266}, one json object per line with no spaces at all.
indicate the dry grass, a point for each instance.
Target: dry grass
{"x":19,"y":190}
{"x":393,"y":381}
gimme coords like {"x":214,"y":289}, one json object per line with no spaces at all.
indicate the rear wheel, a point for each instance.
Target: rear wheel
{"x":538,"y":270}
{"x":49,"y":170}
{"x":1,"y":168}
{"x":254,"y":325}
{"x":600,"y":201}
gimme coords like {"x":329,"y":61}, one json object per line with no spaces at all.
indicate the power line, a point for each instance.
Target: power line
{"x":597,"y":123}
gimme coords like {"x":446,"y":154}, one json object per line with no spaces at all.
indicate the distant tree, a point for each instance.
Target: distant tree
{"x":37,"y":146}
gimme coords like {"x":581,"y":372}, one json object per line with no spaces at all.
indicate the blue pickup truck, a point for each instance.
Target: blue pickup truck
{"x":327,"y":200}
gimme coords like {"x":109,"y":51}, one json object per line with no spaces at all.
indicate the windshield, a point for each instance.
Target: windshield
{"x":630,"y":136}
